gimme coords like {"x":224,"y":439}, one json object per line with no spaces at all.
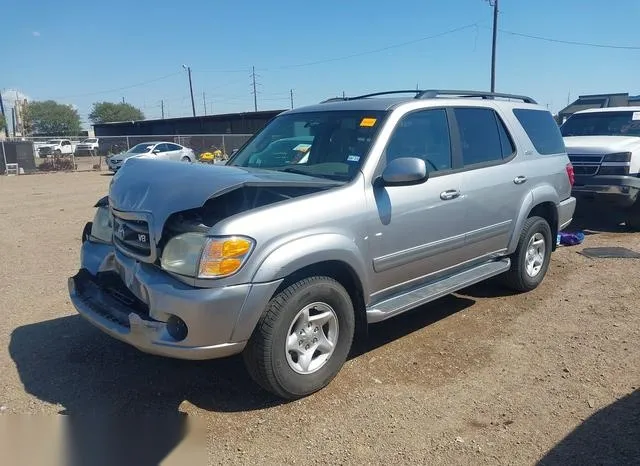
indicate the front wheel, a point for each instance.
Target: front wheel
{"x":530,"y":262}
{"x":303,"y":338}
{"x":632,"y":218}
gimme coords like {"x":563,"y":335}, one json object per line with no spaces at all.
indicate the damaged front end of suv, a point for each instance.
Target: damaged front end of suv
{"x":157,"y":273}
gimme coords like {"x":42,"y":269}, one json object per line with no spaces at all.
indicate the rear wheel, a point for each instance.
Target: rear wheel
{"x":185,"y":159}
{"x":530,"y":262}
{"x":302,"y":339}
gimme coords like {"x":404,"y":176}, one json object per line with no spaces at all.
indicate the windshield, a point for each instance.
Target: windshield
{"x":329,"y":144}
{"x":140,"y":148}
{"x":625,"y":123}
{"x":90,"y":141}
{"x":54,"y":141}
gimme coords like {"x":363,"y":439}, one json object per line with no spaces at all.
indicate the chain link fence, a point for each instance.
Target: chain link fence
{"x":214,"y":147}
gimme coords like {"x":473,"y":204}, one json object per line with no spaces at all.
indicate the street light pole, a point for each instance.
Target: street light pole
{"x":493,"y":46}
{"x":193,"y":104}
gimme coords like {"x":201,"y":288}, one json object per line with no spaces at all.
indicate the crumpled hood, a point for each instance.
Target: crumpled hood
{"x":162,"y":188}
{"x":600,"y":144}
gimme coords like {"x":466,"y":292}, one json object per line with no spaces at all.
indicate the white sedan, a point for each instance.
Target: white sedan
{"x":157,"y":149}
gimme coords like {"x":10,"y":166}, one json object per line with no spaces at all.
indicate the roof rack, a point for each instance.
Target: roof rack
{"x":433,"y":93}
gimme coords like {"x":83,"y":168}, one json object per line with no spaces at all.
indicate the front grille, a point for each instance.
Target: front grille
{"x":132,"y":236}
{"x":586,"y":164}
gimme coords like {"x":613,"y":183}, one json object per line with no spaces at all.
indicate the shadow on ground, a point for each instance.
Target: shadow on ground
{"x":593,"y":218}
{"x":609,"y":437}
{"x":68,"y":362}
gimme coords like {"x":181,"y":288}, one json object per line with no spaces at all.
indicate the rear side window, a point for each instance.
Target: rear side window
{"x":542,"y":129}
{"x":483,"y":136}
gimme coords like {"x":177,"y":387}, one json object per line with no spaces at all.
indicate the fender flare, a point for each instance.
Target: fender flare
{"x":538,"y":195}
{"x":309,"y":250}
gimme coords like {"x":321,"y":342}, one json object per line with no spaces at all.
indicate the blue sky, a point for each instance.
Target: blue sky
{"x":75,"y":51}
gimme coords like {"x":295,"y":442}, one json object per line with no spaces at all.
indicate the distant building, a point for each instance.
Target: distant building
{"x":598,"y":101}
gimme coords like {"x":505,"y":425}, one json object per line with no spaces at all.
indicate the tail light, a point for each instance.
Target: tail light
{"x":570,"y":174}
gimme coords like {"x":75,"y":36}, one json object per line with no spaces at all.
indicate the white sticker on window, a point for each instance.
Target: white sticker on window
{"x":302,"y":148}
{"x":635,"y":116}
{"x":353,"y":158}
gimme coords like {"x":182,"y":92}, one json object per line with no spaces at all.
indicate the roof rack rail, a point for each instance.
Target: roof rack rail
{"x":433,"y":93}
{"x":374,"y":94}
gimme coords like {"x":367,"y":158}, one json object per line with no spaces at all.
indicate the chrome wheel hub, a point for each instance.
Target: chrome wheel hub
{"x":534,"y":259}
{"x":312,"y":337}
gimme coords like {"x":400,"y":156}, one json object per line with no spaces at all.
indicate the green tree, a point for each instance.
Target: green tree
{"x":105,"y":112}
{"x":50,"y":117}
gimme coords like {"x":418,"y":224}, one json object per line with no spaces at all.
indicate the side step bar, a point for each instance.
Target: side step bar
{"x":414,"y":298}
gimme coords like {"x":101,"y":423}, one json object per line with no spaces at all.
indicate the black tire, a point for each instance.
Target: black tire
{"x":517,"y":277}
{"x":632,"y":217}
{"x":185,"y":159}
{"x":265,"y":355}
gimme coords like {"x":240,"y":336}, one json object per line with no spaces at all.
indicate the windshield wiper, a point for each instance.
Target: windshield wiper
{"x":314,"y":175}
{"x":295,"y":170}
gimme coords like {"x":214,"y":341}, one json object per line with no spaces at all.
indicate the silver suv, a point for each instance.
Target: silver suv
{"x":334,"y":216}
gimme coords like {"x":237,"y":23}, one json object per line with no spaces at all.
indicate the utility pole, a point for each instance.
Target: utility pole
{"x":162,"y":108}
{"x":6,"y":123}
{"x":123,"y":100}
{"x":255,"y":92}
{"x":204,"y":101}
{"x":494,"y":3}
{"x":193,"y":103}
{"x":13,"y":120}
{"x":291,"y":92}
{"x":343,"y":95}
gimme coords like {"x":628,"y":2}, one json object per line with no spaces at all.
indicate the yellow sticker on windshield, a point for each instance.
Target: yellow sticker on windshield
{"x":368,"y":122}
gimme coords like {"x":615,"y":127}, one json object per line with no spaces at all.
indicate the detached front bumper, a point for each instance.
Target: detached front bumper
{"x":621,"y":191}
{"x":136,"y":303}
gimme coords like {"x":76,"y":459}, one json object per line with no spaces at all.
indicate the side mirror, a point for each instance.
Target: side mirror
{"x":405,"y":171}
{"x":155,"y":151}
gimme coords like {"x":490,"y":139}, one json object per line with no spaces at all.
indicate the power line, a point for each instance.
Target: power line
{"x":382,"y":49}
{"x":571,"y":42}
{"x":118,"y":88}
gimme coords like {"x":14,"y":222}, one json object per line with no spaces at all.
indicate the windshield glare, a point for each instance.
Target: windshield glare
{"x":90,"y":141}
{"x":54,"y":141}
{"x":602,"y":124}
{"x":329,"y":144}
{"x":140,"y":148}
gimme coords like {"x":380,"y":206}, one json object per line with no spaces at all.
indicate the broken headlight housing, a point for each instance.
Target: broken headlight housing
{"x":200,"y":256}
{"x":102,"y":227}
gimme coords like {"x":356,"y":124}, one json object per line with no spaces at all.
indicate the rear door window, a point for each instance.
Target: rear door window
{"x":483,"y":136}
{"x":542,"y":129}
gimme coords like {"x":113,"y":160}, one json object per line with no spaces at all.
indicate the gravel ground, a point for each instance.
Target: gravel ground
{"x":478,"y":377}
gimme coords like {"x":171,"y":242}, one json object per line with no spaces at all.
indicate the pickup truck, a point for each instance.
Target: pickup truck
{"x":369,"y":207}
{"x":89,"y":146}
{"x":604,"y":147}
{"x":56,"y":147}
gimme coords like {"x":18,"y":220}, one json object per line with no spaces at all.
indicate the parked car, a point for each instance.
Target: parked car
{"x":604,"y":147}
{"x":89,"y":146}
{"x":398,"y":201}
{"x":155,"y":150}
{"x":55,"y":147}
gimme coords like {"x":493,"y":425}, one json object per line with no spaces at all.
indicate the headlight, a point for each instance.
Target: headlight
{"x":102,"y":227}
{"x":618,"y":157}
{"x":195,"y":255}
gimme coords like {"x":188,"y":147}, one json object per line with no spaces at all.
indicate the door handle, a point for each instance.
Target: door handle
{"x":449,"y":194}
{"x":520,"y":179}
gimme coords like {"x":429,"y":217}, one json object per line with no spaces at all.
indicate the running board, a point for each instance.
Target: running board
{"x":411,"y":299}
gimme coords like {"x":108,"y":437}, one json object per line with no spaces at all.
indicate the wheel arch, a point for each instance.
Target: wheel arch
{"x":542,"y":202}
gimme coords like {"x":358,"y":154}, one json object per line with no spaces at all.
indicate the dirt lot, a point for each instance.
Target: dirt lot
{"x":479,"y":377}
